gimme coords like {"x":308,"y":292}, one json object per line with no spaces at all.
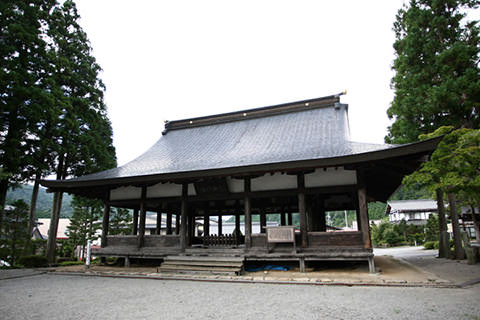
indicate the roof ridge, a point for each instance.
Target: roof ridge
{"x":246,"y":114}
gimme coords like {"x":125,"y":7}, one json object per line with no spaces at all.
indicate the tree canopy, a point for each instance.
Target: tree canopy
{"x":437,"y":75}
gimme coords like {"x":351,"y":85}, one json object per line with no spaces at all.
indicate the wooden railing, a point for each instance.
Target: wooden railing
{"x":222,"y":240}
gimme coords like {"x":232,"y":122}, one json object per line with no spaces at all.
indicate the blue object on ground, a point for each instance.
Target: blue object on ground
{"x":267,"y":267}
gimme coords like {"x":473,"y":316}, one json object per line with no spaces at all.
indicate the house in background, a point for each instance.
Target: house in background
{"x":44,"y":225}
{"x":414,"y":212}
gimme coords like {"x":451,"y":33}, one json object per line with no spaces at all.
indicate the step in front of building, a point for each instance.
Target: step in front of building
{"x":202,"y":264}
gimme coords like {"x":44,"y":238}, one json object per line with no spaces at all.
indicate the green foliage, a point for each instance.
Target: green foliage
{"x":432,"y":229}
{"x":44,"y":200}
{"x":12,"y":244}
{"x":84,"y":222}
{"x":437,"y":78}
{"x":120,"y":222}
{"x":389,"y":234}
{"x":70,"y":263}
{"x":429,"y":245}
{"x":33,"y":261}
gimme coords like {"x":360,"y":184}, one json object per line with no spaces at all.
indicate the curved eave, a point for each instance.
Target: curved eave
{"x":418,"y":148}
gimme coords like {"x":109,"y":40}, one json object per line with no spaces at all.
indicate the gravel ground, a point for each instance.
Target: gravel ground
{"x":48,"y":296}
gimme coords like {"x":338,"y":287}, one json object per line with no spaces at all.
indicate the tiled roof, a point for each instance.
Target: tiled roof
{"x":422,"y":205}
{"x":295,"y":135}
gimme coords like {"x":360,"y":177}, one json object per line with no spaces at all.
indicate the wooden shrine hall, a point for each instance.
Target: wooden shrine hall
{"x":294,"y":159}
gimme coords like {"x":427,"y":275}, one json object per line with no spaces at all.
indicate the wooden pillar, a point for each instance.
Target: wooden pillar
{"x":177,"y":223}
{"x":363,"y":213}
{"x":190,"y":226}
{"x":169,"y":223}
{"x":183,"y":213}
{"x":282,"y":218}
{"x":206,"y":225}
{"x":289,"y":219}
{"x":302,"y":209}
{"x":310,"y":216}
{"x":263,"y":221}
{"x":322,"y":219}
{"x":143,"y":217}
{"x":219,"y":224}
{"x":237,"y":219}
{"x":248,"y":213}
{"x":105,"y":223}
{"x":158,"y":226}
{"x":135,"y":222}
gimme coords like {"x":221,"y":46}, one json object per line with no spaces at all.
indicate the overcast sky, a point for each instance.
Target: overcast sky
{"x":169,"y":60}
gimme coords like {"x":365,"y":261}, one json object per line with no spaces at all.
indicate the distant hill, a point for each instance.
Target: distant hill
{"x":44,"y":202}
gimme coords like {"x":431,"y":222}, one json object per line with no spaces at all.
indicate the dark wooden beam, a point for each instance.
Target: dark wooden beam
{"x":143,"y":217}
{"x":248,"y":212}
{"x":302,"y":209}
{"x":183,"y":213}
{"x":135,"y":222}
{"x":169,"y":223}
{"x":105,"y":224}
{"x":363,"y":213}
{"x":158,"y":226}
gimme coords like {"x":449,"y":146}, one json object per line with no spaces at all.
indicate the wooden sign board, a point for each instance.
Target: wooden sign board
{"x":284,"y":234}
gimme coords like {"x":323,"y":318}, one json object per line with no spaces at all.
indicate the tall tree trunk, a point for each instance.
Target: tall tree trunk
{"x":458,"y":250}
{"x":56,"y":207}
{"x":31,"y":217}
{"x":476,"y":223}
{"x":444,"y":246}
{"x":3,"y":199}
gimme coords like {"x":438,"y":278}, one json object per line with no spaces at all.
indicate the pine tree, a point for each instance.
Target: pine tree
{"x":85,"y":141}
{"x":437,"y":75}
{"x":23,"y":87}
{"x":120,"y":222}
{"x":84,"y":222}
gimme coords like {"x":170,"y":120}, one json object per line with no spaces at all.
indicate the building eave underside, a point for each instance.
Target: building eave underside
{"x":382,"y":172}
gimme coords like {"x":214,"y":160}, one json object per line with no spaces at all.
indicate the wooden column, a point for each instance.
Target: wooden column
{"x":263,"y":221}
{"x":190,"y":226}
{"x":183,"y":213}
{"x":289,"y":219}
{"x":177,"y":223}
{"x":248,"y":213}
{"x":220,"y":225}
{"x":237,"y":218}
{"x":206,"y":225}
{"x":169,"y":223}
{"x":322,"y":219}
{"x":143,"y":216}
{"x":105,"y":223}
{"x":158,"y":226}
{"x":363,"y":214}
{"x":135,"y":222}
{"x":301,"y":209}
{"x":282,"y":218}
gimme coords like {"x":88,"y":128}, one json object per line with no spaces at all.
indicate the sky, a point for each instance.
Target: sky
{"x":170,"y":60}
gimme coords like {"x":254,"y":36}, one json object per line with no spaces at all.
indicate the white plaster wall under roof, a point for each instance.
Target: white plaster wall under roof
{"x":162,"y":190}
{"x":125,"y":193}
{"x":156,"y":191}
{"x":278,"y":181}
{"x":331,"y":177}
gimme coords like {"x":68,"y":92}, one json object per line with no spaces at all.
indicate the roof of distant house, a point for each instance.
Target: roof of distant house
{"x":421,"y":205}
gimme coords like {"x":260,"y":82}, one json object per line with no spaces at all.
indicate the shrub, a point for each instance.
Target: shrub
{"x":33,"y":261}
{"x":70,"y":263}
{"x":429,"y":245}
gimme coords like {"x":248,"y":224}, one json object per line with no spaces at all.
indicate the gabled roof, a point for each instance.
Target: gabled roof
{"x":308,"y":133}
{"x":421,"y":205}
